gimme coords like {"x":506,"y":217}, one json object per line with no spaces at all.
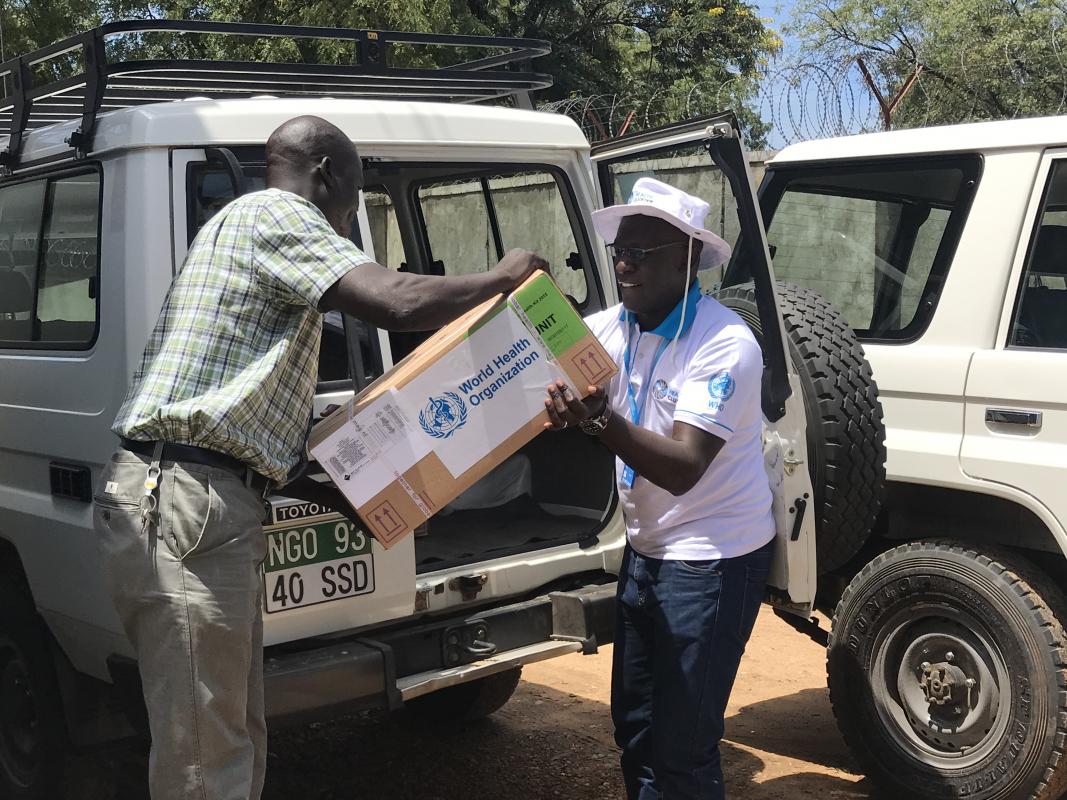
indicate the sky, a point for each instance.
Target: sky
{"x":781,"y":11}
{"x":812,"y":111}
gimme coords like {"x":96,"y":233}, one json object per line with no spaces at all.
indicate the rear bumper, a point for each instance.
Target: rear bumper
{"x":382,"y":672}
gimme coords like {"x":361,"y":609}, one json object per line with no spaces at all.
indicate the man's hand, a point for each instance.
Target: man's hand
{"x":565,"y":409}
{"x":406,"y":301}
{"x":517,"y":265}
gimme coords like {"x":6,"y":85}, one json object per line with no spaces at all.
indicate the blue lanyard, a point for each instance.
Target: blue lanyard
{"x":637,"y":404}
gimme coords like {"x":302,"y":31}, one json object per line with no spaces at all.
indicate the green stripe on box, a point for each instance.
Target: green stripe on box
{"x":552,"y":314}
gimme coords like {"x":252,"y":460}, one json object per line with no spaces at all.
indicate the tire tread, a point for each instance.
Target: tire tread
{"x":1046,"y":604}
{"x":846,"y":431}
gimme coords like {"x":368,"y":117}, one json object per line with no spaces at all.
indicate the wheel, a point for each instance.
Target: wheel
{"x":33,"y":741}
{"x":846,"y":434}
{"x":947,"y":674}
{"x":467,"y":701}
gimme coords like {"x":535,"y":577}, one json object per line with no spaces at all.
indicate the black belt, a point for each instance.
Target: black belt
{"x":172,"y":451}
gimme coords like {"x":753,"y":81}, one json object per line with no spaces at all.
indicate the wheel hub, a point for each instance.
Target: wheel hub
{"x":949,"y":696}
{"x":939,"y":680}
{"x":941,"y":685}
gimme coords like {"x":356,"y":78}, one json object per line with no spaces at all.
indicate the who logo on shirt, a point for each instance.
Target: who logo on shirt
{"x":661,"y":391}
{"x":721,"y":387}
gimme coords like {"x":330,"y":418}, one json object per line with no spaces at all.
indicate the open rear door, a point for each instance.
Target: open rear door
{"x":707,"y":158}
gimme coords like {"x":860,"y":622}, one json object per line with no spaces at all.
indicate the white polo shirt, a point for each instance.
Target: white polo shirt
{"x":710,"y":379}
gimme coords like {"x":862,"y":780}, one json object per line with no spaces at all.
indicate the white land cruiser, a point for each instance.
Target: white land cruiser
{"x":110,"y":167}
{"x":946,"y":250}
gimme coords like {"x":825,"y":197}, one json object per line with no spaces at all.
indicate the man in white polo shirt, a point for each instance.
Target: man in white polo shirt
{"x":684,"y":419}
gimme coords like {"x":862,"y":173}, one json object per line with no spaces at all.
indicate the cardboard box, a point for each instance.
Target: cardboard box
{"x":458,"y":406}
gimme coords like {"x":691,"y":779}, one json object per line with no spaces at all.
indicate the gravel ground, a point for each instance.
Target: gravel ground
{"x":553,"y":740}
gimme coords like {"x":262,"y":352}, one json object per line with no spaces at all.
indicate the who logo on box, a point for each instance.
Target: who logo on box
{"x":443,"y":415}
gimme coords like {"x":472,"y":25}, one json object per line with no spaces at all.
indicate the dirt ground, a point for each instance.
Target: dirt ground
{"x":553,"y":740}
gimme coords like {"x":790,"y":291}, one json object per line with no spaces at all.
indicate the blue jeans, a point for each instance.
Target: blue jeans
{"x":681,"y":628}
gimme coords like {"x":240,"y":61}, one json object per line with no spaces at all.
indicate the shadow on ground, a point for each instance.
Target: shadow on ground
{"x":544,"y":744}
{"x":799,"y":726}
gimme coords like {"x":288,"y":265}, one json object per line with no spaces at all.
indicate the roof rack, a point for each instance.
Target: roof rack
{"x":100,"y":84}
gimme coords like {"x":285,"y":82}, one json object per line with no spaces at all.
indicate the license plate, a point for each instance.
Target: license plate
{"x":316,"y":563}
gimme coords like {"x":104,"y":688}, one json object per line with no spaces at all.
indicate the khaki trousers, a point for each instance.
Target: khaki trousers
{"x":188,"y":591}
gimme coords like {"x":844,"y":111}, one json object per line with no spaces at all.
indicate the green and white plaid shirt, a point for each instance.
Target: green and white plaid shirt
{"x":231,"y":364}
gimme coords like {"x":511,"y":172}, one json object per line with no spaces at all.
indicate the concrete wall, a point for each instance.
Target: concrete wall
{"x":532,"y":215}
{"x":839,"y":247}
{"x":835,"y":245}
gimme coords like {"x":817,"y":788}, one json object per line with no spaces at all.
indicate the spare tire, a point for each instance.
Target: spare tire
{"x":846,"y":434}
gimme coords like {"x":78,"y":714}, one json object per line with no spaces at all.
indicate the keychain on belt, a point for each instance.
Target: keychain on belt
{"x":150,"y":499}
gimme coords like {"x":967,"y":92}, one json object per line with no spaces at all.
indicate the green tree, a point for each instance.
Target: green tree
{"x":980,"y":59}
{"x":598,"y":46}
{"x":661,"y":48}
{"x":26,"y":25}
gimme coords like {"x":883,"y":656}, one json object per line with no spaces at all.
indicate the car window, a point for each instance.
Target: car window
{"x":875,"y":241}
{"x":471,"y":222}
{"x":456,"y":219}
{"x":1041,"y":310}
{"x":384,"y":230}
{"x":210,"y":190}
{"x":49,"y":262}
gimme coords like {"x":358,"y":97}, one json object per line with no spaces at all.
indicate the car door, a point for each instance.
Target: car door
{"x":706,"y":157}
{"x":1015,"y":426}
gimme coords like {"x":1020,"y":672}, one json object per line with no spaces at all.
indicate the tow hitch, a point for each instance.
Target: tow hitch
{"x":466,"y":643}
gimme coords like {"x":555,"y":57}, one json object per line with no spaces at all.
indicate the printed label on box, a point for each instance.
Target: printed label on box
{"x":550,"y":314}
{"x":592,"y":364}
{"x":372,"y":449}
{"x":386,"y":520}
{"x":474,"y":397}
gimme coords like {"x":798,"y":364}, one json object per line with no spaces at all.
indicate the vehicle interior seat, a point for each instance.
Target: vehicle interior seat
{"x":16,"y":297}
{"x":1044,"y":307}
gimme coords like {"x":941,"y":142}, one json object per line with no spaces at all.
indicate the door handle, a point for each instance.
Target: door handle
{"x":1005,"y":416}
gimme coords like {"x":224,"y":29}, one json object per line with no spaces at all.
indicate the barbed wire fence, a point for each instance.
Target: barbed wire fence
{"x":798,"y":101}
{"x":801,"y":100}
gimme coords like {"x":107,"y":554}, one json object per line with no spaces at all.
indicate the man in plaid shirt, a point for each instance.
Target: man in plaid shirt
{"x":216,"y":417}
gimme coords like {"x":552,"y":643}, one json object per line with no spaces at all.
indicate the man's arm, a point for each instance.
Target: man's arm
{"x":674,"y":463}
{"x":403,"y":301}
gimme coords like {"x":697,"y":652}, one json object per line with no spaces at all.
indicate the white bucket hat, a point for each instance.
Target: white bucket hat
{"x":654,"y":198}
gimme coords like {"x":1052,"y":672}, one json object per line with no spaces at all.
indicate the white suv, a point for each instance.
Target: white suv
{"x":110,"y":172}
{"x":946,"y":249}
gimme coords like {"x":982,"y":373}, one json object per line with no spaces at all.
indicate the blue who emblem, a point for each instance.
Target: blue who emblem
{"x":721,"y":386}
{"x":661,"y":390}
{"x":443,"y":415}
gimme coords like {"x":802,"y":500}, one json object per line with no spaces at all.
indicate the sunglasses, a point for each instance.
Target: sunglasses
{"x":635,"y":255}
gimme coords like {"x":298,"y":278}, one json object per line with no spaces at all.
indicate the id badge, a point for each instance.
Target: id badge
{"x":628,"y":476}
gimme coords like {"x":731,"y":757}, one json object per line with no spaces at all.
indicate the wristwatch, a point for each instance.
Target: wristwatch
{"x":594,"y":426}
